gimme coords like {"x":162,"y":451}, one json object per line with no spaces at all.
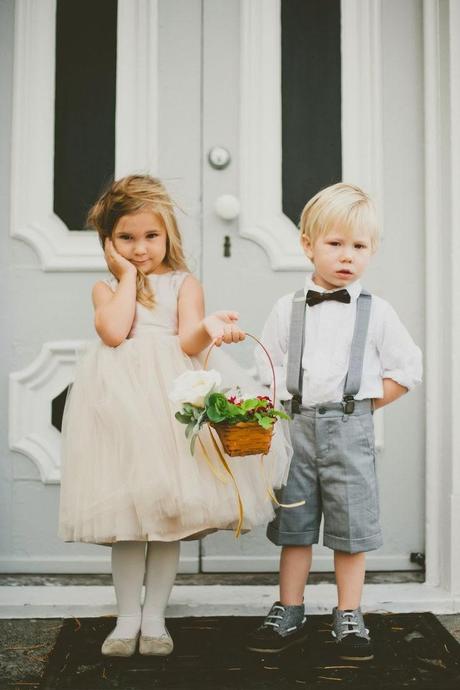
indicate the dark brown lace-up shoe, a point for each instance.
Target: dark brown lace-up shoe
{"x":283,"y":627}
{"x":351,"y":635}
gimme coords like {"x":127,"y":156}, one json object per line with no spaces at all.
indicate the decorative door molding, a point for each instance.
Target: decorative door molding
{"x":136,"y":148}
{"x":262,"y":218}
{"x":32,"y":391}
{"x":362,"y":127}
{"x":32,"y":217}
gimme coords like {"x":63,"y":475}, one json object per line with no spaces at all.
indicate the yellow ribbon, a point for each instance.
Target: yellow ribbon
{"x":270,"y":491}
{"x":224,"y":479}
{"x":217,"y":474}
{"x":237,"y":491}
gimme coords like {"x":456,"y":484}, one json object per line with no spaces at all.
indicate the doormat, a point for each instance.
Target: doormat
{"x":411,"y":651}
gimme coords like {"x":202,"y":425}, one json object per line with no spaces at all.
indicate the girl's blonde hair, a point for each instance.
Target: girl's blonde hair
{"x":129,"y":195}
{"x":340,"y":206}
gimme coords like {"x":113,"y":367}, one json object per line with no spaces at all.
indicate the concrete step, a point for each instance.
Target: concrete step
{"x":61,"y":601}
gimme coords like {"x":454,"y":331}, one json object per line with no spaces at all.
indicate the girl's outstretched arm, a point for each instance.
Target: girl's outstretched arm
{"x":196,"y":331}
{"x":114,"y":312}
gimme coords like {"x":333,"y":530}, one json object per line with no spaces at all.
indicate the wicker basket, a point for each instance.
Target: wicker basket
{"x":245,"y":438}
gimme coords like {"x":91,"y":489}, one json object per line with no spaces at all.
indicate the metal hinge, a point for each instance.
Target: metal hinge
{"x":418,"y":558}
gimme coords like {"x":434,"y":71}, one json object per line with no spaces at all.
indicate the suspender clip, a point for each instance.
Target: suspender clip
{"x":348,"y":404}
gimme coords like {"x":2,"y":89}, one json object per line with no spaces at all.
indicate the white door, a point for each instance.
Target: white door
{"x":192,"y":75}
{"x":98,"y":89}
{"x":287,"y":93}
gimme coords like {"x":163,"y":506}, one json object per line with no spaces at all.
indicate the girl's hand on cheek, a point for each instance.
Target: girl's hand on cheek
{"x":116,"y":263}
{"x":221,"y":327}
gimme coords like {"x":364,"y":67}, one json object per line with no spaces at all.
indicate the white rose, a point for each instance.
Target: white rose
{"x":193,"y":386}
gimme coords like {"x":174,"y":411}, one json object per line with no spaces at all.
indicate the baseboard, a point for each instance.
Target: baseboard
{"x":190,"y":564}
{"x":321,"y":564}
{"x":76,"y":565}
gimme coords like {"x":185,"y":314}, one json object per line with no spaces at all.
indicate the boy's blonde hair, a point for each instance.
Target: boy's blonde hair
{"x":343,"y":207}
{"x":133,"y":194}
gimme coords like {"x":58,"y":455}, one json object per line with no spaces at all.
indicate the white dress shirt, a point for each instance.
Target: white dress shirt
{"x":390,"y":351}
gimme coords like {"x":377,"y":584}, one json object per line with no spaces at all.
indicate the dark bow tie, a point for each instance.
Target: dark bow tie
{"x":314,"y":297}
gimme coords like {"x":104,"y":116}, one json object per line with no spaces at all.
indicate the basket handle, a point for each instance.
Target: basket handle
{"x":205,"y":365}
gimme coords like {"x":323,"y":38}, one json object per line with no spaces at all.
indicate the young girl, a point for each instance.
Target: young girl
{"x":128,"y":478}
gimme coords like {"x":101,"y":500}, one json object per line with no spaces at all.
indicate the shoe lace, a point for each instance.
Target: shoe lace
{"x":273,"y":616}
{"x":350,"y":624}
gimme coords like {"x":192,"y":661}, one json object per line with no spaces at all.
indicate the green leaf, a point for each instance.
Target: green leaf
{"x":235,"y":410}
{"x":203,"y":417}
{"x":182,"y":418}
{"x":264,"y":421}
{"x":197,"y":427}
{"x":218,"y":399}
{"x":234,"y":420}
{"x":250,"y":404}
{"x":211,"y":392}
{"x":189,"y":429}
{"x":215,"y":416}
{"x":197,"y":412}
{"x":192,"y":443}
{"x":217,"y":407}
{"x":280,"y":414}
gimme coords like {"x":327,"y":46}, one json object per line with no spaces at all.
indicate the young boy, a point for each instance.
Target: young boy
{"x":339,"y":353}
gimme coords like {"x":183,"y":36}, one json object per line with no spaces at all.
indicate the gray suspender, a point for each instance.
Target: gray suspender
{"x":355,"y":366}
{"x":294,"y":373}
{"x":294,"y":378}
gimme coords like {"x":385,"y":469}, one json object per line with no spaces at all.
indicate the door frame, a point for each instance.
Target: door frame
{"x":58,"y":251}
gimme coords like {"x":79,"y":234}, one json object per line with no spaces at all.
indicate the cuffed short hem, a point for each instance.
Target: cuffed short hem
{"x":353,"y":545}
{"x":292,"y":538}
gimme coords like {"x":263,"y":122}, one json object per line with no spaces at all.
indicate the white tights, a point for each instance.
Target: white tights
{"x":132,"y":564}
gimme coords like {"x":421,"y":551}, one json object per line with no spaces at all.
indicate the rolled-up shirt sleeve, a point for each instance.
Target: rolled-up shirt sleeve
{"x":274,"y":337}
{"x":400,"y":358}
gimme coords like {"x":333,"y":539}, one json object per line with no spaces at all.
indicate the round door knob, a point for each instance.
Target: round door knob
{"x":227,"y":207}
{"x":219,"y":158}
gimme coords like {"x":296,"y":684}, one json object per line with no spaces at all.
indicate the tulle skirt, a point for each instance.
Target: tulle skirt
{"x":127,"y":471}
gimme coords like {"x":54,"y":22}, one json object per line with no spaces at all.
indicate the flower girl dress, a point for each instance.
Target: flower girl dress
{"x":127,"y":470}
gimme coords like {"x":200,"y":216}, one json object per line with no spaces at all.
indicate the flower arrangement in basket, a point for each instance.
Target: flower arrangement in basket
{"x":244,"y":425}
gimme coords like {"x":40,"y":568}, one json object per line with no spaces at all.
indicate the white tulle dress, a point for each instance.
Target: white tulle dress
{"x":127,"y":471}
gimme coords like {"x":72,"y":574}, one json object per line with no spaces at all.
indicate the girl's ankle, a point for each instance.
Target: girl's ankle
{"x":152,"y":625}
{"x":127,"y":627}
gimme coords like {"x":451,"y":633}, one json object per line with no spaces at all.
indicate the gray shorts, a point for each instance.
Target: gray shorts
{"x":333,"y":470}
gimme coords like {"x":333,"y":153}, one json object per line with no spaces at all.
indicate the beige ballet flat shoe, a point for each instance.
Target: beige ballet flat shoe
{"x":114,"y":646}
{"x":156,"y":646}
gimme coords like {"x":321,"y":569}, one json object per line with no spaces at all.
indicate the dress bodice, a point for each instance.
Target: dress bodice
{"x":163,"y":317}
